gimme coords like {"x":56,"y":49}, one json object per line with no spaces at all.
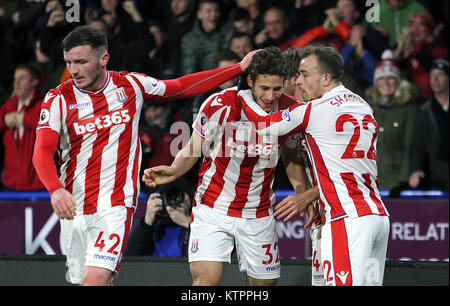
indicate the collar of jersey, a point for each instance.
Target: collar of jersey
{"x":96,"y":92}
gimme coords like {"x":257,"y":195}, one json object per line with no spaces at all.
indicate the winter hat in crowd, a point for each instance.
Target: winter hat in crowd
{"x":387,"y":66}
{"x":422,"y":18}
{"x":441,"y":64}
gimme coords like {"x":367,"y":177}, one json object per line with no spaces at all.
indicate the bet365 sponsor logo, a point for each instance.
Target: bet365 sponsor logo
{"x":92,"y":125}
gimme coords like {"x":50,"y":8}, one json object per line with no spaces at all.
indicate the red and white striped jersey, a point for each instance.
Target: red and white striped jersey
{"x":99,"y":146}
{"x":340,"y":137}
{"x":311,"y":178}
{"x":237,"y":172}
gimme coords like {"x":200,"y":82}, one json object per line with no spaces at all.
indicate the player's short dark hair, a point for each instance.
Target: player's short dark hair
{"x":293,"y":57}
{"x":85,"y":35}
{"x":329,"y":60}
{"x":268,"y":61}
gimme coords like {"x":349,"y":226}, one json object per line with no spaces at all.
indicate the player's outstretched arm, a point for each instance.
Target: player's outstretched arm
{"x":287,"y":122}
{"x":183,"y":162}
{"x":204,"y":81}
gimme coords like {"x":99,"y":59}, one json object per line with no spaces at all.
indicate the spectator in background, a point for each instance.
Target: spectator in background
{"x":19,"y":118}
{"x":224,"y":58}
{"x":307,"y":14}
{"x":255,"y":11}
{"x":277,"y":29}
{"x":241,"y":44}
{"x":241,"y":21}
{"x":17,"y":42}
{"x":155,"y":133}
{"x":420,"y":45}
{"x":119,"y":48}
{"x":394,"y":102}
{"x":181,"y":21}
{"x":358,"y":61}
{"x":163,"y":230}
{"x":429,"y":147}
{"x":50,"y":27}
{"x":199,"y":47}
{"x":394,"y":15}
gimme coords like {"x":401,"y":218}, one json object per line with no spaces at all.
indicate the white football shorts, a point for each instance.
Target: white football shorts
{"x":213,"y":236}
{"x":97,"y":240}
{"x":317,"y":278}
{"x":354,"y":250}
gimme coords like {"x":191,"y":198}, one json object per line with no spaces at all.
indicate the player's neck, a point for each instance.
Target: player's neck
{"x":330,"y":88}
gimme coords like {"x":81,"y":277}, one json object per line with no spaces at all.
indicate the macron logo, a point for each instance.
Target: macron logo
{"x":342,"y":276}
{"x":98,"y":123}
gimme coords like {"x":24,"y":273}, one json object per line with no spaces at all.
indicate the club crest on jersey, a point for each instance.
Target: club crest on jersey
{"x":194,"y":246}
{"x":121,"y":94}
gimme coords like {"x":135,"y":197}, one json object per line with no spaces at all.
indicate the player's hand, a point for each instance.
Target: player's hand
{"x":247,"y":59}
{"x":296,"y":204}
{"x":158,"y":176}
{"x":63,"y":204}
{"x":290,"y":206}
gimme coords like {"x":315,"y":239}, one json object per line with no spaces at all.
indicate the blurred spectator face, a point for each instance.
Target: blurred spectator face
{"x":438,"y":81}
{"x":241,"y":45}
{"x":421,"y":25}
{"x":86,"y":66}
{"x":387,"y":86}
{"x":347,"y":12}
{"x":24,"y":83}
{"x":53,"y":5}
{"x":209,"y":15}
{"x":110,"y":5}
{"x":245,"y":26}
{"x":421,"y":33}
{"x":155,"y":113}
{"x":100,"y":26}
{"x":266,"y":90}
{"x":275,"y":23}
{"x":232,"y":82}
{"x":179,"y":7}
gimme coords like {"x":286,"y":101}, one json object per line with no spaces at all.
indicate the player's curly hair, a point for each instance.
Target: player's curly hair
{"x":268,"y":61}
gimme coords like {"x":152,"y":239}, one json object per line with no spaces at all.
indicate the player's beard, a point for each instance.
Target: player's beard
{"x":92,"y":85}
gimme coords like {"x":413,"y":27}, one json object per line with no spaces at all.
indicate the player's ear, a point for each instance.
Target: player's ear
{"x":249,"y":81}
{"x":104,"y":59}
{"x":327,"y":79}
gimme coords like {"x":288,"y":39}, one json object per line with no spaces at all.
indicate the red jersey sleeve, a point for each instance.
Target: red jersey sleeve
{"x":44,"y":148}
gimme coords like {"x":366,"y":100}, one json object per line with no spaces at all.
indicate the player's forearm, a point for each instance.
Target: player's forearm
{"x":184,"y":161}
{"x":200,"y":82}
{"x":287,"y":122}
{"x":44,"y":149}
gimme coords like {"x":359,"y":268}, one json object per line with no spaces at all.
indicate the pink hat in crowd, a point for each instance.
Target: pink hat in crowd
{"x":387,"y":66}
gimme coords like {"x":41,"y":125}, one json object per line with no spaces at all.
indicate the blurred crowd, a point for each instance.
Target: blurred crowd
{"x":395,"y":54}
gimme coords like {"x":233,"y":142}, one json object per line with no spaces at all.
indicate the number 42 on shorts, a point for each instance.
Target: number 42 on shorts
{"x":100,"y":243}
